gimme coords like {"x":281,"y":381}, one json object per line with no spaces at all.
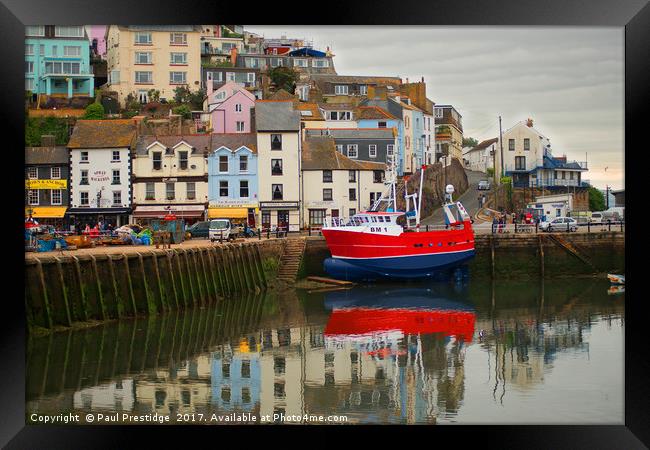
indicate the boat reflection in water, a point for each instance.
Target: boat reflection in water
{"x":403,"y":333}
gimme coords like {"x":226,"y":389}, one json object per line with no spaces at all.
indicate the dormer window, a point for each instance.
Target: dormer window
{"x":341,"y":89}
{"x":182,"y":160}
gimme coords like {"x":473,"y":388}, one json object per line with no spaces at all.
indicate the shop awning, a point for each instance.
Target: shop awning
{"x":104,"y":211}
{"x":46,"y":212}
{"x":227,"y":213}
{"x":160,"y":211}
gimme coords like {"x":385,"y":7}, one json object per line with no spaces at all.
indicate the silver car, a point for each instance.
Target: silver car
{"x":559,"y":224}
{"x":483,"y":185}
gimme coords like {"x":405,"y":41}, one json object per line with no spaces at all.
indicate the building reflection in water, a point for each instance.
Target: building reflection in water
{"x":376,"y":355}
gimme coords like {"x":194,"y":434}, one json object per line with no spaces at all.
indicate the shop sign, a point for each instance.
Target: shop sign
{"x":99,"y":175}
{"x":278,"y":205}
{"x":46,"y":184}
{"x":322,"y":204}
{"x":232,"y":204}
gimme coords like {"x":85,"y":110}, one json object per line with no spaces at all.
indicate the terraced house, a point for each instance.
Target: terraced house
{"x":449,"y":132}
{"x":57,"y":61}
{"x":169,"y":175}
{"x":141,"y":58}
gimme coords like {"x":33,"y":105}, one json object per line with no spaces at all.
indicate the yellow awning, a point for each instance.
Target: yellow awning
{"x":46,"y":212}
{"x":227,"y":213}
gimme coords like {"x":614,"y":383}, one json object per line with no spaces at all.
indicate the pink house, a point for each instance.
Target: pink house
{"x":96,"y":35}
{"x":230,"y":108}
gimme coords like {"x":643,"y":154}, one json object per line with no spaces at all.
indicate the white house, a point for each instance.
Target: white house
{"x":100,"y":171}
{"x":277,"y":125}
{"x":479,"y":158}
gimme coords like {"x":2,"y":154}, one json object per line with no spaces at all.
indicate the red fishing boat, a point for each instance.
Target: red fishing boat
{"x":373,"y":245}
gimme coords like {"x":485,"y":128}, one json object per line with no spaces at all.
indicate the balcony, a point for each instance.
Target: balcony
{"x":539,"y":183}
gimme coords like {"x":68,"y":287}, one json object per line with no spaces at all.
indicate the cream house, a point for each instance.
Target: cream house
{"x":334,"y":185}
{"x":170,"y":175}
{"x":141,"y":58}
{"x":277,"y":124}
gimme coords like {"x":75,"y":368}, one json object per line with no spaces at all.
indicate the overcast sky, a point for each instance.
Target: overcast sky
{"x":570,"y":81}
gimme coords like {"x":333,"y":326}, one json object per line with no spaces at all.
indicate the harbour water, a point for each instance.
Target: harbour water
{"x":470,"y":352}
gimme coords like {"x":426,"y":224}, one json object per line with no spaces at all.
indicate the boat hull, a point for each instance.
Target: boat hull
{"x":401,"y":267}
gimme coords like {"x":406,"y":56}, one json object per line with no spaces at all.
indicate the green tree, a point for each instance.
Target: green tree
{"x":35,"y":127}
{"x":470,"y":142}
{"x":490,"y":171}
{"x":596,"y":199}
{"x":183,"y":110}
{"x":183,"y":95}
{"x":94,"y":111}
{"x":154,"y":95}
{"x":284,"y":78}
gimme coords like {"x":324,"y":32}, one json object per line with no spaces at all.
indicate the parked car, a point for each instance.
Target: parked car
{"x":222,"y":229}
{"x":198,"y":230}
{"x":596,"y":217}
{"x":483,"y":185}
{"x":559,"y":224}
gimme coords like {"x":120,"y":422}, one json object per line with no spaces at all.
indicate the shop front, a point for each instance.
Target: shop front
{"x":318,"y":211}
{"x":237,"y":212}
{"x":191,"y":214}
{"x":80,"y":217}
{"x":48,"y":215}
{"x":285,"y":215}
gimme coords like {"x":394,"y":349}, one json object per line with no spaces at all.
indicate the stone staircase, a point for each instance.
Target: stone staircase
{"x":574,"y":250}
{"x":291,"y":259}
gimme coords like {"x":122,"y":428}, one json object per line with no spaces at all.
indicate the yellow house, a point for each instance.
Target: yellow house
{"x":145,"y":57}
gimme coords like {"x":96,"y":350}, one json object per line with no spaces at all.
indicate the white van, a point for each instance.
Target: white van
{"x":221,"y":229}
{"x":596,"y":217}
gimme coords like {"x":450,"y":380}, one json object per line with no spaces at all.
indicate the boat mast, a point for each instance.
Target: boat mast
{"x":417,"y":213}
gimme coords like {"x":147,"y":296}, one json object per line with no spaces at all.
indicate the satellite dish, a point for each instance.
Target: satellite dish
{"x":449,"y":189}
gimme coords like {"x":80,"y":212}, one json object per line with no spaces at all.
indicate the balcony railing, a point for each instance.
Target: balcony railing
{"x":534,"y":182}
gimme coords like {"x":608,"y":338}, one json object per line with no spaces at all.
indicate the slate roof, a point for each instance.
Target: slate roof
{"x":321,"y":79}
{"x":47,"y":155}
{"x":103,"y":134}
{"x":354,"y":133}
{"x":276,"y":116}
{"x":200,"y":142}
{"x":282,"y":95}
{"x":234,"y":140}
{"x":311,"y":107}
{"x":372,"y":112}
{"x":337,"y":106}
{"x":555,"y":163}
{"x":484,"y":144}
{"x":319,"y":153}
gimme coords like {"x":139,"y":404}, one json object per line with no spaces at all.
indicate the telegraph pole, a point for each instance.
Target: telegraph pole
{"x":501,"y":144}
{"x":607,"y":195}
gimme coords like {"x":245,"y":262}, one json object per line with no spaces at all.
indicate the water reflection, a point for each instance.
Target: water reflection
{"x":389,"y":354}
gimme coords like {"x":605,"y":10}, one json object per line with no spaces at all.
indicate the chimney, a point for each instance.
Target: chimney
{"x":423,"y":79}
{"x":209,"y":85}
{"x":529,"y":123}
{"x":233,"y":56}
{"x":48,"y":140}
{"x":407,"y":80}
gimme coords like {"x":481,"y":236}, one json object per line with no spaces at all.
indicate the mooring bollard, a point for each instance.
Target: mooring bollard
{"x":221,"y":236}
{"x":427,"y":227}
{"x":536,"y":224}
{"x":259,"y":234}
{"x":268,"y":233}
{"x":515,"y":227}
{"x":621,"y":226}
{"x":588,"y":227}
{"x":609,"y":225}
{"x":309,"y":230}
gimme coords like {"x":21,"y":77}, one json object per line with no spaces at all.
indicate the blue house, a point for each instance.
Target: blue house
{"x":377,"y":113}
{"x":57,"y":61}
{"x":232,"y":178}
{"x":236,"y":380}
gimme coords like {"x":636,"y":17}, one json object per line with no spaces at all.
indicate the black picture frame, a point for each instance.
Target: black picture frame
{"x":634,"y":15}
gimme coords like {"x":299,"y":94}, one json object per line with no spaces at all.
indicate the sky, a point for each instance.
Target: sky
{"x":569,"y":80}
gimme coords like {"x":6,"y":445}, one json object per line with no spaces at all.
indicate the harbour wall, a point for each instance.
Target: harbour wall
{"x":61,"y":291}
{"x":519,"y":256}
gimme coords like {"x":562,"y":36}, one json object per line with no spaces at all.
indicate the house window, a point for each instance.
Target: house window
{"x":339,"y":148}
{"x":381,"y":124}
{"x":182,"y":160}
{"x":511,"y":145}
{"x":570,"y":175}
{"x":117,"y":198}
{"x":84,"y":156}
{"x":116,"y":177}
{"x":563,"y":175}
{"x":191,"y":190}
{"x":71,"y":50}
{"x":276,"y":62}
{"x":178,"y":58}
{"x":69,"y":31}
{"x":341,"y":89}
{"x":170,"y":191}
{"x":243,"y":188}
{"x":29,"y":84}
{"x":407,"y":122}
{"x":223,"y":189}
{"x":29,"y":49}
{"x":29,"y":66}
{"x":363,"y":90}
{"x":438,"y":113}
{"x":157,"y":160}
{"x":372,"y":150}
{"x":352,"y":194}
{"x":230,"y":76}
{"x":240,"y":126}
{"x":142,"y":38}
{"x":238,"y":107}
{"x":252,"y":62}
{"x":327,"y":195}
{"x":316,"y":218}
{"x":243,"y":164}
{"x":56,"y":196}
{"x":114,"y":76}
{"x":177,"y":77}
{"x":143,"y":57}
{"x":526,"y":144}
{"x":250,"y":77}
{"x":320,"y":63}
{"x":276,"y":190}
{"x":223,"y":163}
{"x":177,"y":38}
{"x":38,"y":30}
{"x":353,"y":151}
{"x":42,"y":49}
{"x":340,"y":115}
{"x":83,"y":199}
{"x":300,"y":62}
{"x":327,"y":176}
{"x":352,"y":176}
{"x":32,"y":173}
{"x":520,"y":163}
{"x":276,"y":142}
{"x":390,"y":149}
{"x":84,"y":177}
{"x":54,"y":50}
{"x":55,"y":173}
{"x":143,"y":77}
{"x":62,"y":67}
{"x":351,"y":212}
{"x":276,"y":167}
{"x":32,"y":196}
{"x":150,"y":191}
{"x":378,"y":176}
{"x":116,"y":156}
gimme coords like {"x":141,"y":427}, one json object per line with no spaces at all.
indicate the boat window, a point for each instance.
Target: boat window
{"x":380,"y":218}
{"x":374,"y":219}
{"x":365,"y":219}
